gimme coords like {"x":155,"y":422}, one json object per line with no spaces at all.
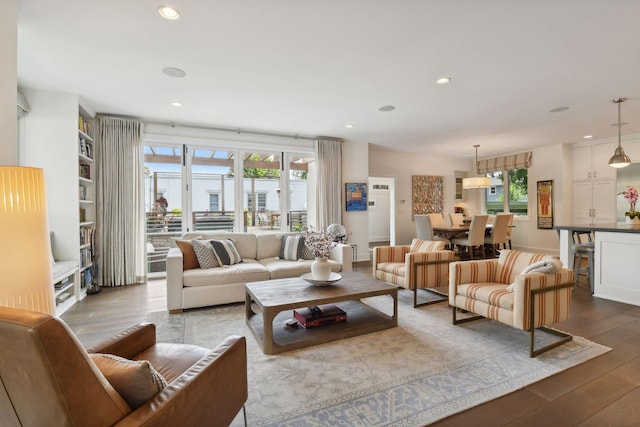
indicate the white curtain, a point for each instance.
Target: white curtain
{"x":120,"y":202}
{"x":329,"y":179}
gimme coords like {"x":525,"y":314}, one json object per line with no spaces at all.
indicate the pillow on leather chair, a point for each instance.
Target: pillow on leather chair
{"x":135,"y":380}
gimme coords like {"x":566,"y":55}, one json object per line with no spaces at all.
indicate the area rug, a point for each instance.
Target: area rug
{"x":424,"y":370}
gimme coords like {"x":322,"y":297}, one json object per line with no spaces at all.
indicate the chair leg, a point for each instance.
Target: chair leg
{"x":244,"y":414}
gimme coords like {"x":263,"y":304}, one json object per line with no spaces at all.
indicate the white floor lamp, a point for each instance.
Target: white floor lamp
{"x":25,"y":249}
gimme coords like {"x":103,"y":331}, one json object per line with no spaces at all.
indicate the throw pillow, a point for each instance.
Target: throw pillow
{"x":307,"y":253}
{"x":189,"y":258}
{"x":225,"y":252}
{"x":546,"y":266}
{"x":418,"y":245}
{"x":204,"y":253}
{"x":135,"y":380}
{"x":292,"y":247}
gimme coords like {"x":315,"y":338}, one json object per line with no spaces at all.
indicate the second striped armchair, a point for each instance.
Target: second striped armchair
{"x":499,"y":289}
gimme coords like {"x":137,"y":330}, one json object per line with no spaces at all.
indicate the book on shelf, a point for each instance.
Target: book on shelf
{"x":84,"y":125}
{"x":83,"y":147}
{"x":83,"y":215}
{"x":82,"y":192}
{"x":84,"y":171}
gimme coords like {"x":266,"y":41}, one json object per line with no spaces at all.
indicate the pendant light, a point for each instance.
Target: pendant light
{"x":476,"y":181}
{"x":619,"y":159}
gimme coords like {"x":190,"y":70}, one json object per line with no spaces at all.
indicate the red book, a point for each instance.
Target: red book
{"x":325,"y":315}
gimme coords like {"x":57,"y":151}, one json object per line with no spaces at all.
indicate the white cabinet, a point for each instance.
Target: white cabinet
{"x":594,"y":202}
{"x":592,"y":162}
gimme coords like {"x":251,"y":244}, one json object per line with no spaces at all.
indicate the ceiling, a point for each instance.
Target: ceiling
{"x":311,"y":67}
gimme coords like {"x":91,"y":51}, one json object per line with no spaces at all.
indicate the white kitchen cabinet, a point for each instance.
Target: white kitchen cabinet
{"x":591,"y":162}
{"x":594,"y":202}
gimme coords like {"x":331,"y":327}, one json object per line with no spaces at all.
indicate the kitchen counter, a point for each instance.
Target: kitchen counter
{"x":616,"y":260}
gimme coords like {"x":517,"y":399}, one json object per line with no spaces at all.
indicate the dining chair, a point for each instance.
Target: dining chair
{"x":424,"y":229}
{"x":437,"y":219}
{"x":457,"y":219}
{"x":475,"y":236}
{"x":498,"y":234}
{"x":509,"y":228}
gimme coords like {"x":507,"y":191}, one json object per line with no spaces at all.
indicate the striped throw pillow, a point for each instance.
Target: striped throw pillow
{"x":292,"y":247}
{"x":225,"y":252}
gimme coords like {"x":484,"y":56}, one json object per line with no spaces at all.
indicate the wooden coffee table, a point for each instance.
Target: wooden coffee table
{"x":276,"y":299}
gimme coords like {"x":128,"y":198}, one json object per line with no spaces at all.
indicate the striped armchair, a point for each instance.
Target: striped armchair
{"x":495,"y":289}
{"x":421,"y":265}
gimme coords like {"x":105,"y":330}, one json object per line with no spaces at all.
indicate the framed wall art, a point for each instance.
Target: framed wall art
{"x":545,"y":204}
{"x":356,"y":196}
{"x":427,"y":194}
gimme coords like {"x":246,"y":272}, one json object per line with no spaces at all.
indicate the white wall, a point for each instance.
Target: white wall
{"x":402,"y":166}
{"x":51,"y":143}
{"x":355,"y":168}
{"x":9,"y":83}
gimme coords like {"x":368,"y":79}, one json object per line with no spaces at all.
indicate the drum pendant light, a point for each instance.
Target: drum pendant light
{"x":476,"y":181}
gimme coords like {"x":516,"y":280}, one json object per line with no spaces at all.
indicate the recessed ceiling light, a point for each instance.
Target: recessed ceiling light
{"x":174,"y":72}
{"x":558,"y":109}
{"x":588,"y":136}
{"x":349,"y":126}
{"x":177,"y":104}
{"x":443,"y":80}
{"x":168,"y":12}
{"x":387,"y":108}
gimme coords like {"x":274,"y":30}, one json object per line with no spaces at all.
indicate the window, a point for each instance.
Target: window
{"x":261,"y":204}
{"x":514,"y":199}
{"x":214,"y":202}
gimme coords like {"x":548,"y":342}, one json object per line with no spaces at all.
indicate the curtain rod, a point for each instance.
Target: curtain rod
{"x":240,"y":131}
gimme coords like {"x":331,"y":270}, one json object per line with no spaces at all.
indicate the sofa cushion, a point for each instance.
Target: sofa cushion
{"x":268,"y":245}
{"x":418,"y":245}
{"x":135,"y":380}
{"x":291,"y":248}
{"x":189,"y":258}
{"x":281,"y":268}
{"x":249,"y":270}
{"x":495,"y":294}
{"x":204,"y":252}
{"x":245,"y":243}
{"x":511,"y":263}
{"x":225,"y":252}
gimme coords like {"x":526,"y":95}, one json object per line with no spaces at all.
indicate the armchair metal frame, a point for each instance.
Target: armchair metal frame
{"x":444,"y":296}
{"x":564,"y":337}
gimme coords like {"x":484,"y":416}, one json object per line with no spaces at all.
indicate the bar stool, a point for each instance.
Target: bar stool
{"x":581,"y":249}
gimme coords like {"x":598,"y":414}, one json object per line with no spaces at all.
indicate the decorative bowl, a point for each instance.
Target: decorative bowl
{"x":333,"y":278}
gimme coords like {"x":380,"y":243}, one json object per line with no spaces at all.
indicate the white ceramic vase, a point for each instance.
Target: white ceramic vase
{"x":320,"y":269}
{"x":628,"y":220}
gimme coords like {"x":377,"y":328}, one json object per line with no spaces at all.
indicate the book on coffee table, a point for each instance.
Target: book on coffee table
{"x":311,"y":317}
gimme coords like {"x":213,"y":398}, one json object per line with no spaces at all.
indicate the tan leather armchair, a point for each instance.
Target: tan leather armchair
{"x":48,"y":378}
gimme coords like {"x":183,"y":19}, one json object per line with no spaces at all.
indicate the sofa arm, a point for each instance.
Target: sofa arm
{"x":463,"y":272}
{"x":343,"y":254}
{"x":552,"y":306}
{"x":427,"y":269}
{"x":174,"y":280}
{"x":389,"y":254}
{"x":210,"y":393}
{"x":129,"y":342}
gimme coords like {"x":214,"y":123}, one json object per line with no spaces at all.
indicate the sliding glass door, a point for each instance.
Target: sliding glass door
{"x":215,"y":188}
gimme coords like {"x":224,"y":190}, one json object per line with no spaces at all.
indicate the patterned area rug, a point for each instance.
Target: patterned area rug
{"x":424,"y":370}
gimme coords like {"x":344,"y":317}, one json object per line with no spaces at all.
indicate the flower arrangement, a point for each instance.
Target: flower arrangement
{"x":320,"y":244}
{"x":631,"y":194}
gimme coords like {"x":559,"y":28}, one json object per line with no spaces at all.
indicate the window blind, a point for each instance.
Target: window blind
{"x":513,"y":161}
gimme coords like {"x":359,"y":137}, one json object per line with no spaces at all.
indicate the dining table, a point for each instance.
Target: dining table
{"x":451,"y":231}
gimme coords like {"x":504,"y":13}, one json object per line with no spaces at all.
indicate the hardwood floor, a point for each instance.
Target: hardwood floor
{"x":604,"y":391}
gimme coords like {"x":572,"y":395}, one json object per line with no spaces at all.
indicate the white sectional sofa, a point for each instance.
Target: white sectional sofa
{"x":199,"y":287}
